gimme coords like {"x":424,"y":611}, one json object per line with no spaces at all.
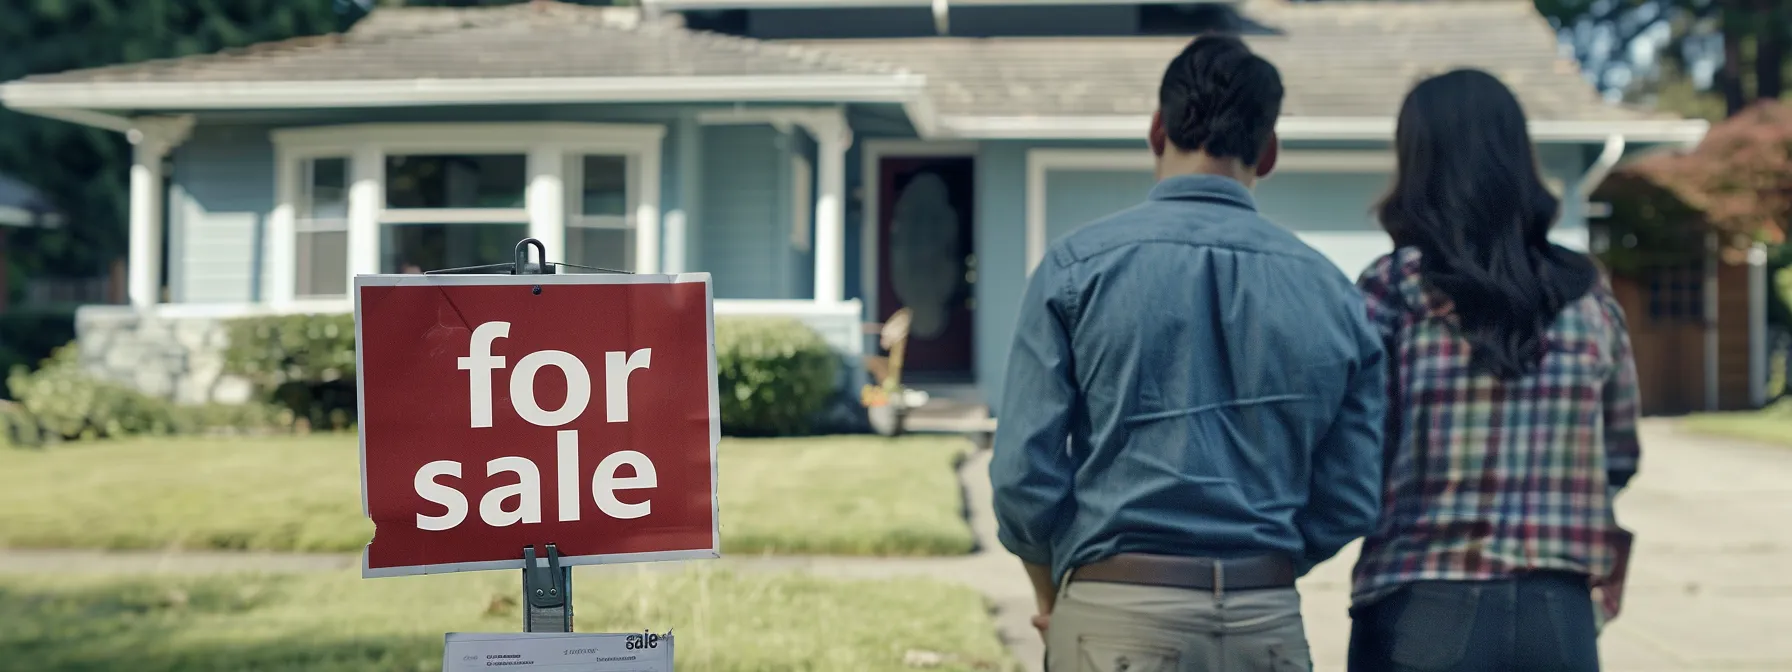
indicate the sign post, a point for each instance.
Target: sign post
{"x":509,"y":406}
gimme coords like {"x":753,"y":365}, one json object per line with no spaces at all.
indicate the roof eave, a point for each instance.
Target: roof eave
{"x":1132,"y":127}
{"x":192,"y":96}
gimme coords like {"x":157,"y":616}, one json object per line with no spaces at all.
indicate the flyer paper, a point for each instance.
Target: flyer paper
{"x":561,"y":652}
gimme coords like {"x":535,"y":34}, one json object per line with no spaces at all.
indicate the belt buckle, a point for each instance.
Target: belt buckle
{"x":1219,"y":580}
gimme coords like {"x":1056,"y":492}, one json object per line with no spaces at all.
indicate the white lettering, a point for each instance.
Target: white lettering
{"x":428,"y":488}
{"x":604,"y":484}
{"x":478,"y":364}
{"x":568,"y":469}
{"x":616,"y":370}
{"x":527,"y":490}
{"x":522,"y":388}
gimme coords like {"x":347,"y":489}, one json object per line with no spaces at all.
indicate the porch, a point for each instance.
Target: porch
{"x":756,"y":197}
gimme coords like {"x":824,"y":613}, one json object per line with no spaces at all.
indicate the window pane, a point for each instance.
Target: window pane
{"x":605,"y":185}
{"x":415,"y":248}
{"x":455,"y":181}
{"x":322,"y":263}
{"x":325,"y":194}
{"x":612,"y":249}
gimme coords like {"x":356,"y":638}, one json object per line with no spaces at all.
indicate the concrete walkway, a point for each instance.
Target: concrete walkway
{"x":1711,"y":586}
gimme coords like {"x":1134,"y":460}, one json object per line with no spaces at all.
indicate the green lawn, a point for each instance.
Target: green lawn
{"x":1769,"y":425}
{"x":825,"y":495}
{"x":337,"y":622}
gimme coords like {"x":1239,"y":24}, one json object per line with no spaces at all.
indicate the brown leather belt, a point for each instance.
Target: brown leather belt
{"x":1169,"y":571}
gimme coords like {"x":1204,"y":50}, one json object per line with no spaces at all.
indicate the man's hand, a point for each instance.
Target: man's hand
{"x":1042,"y":623}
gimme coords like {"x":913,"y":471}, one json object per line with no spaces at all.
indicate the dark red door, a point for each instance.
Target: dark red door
{"x":925,"y":257}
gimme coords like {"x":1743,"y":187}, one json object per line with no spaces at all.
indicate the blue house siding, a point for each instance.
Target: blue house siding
{"x":1001,"y":242}
{"x":221,"y":191}
{"x":745,"y":230}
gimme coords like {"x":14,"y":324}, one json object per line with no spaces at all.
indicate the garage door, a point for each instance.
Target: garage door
{"x":1330,"y":211}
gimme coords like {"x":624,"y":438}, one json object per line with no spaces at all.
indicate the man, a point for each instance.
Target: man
{"x":1194,"y":404}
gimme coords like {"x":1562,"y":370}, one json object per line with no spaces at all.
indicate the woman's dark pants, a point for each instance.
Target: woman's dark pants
{"x":1539,"y":622}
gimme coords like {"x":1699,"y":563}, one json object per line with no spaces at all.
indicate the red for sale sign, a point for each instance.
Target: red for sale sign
{"x":504,"y":411}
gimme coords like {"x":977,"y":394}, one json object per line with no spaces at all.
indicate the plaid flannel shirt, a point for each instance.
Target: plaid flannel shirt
{"x":1484,"y":478}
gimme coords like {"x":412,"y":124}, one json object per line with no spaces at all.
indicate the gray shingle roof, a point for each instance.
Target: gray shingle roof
{"x":1352,"y":58}
{"x":1338,"y":59}
{"x":526,"y":40}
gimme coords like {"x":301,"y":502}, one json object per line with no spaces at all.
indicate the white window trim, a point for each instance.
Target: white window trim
{"x":1040,"y":162}
{"x":871,"y":156}
{"x":547,"y":145}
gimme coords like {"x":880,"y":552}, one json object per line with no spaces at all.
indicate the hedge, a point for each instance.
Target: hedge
{"x":774,"y":376}
{"x":60,"y":402}
{"x":302,"y":363}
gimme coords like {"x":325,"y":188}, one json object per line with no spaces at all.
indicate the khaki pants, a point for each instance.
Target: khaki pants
{"x":1112,"y":627}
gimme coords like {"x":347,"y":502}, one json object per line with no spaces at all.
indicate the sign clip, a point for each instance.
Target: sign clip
{"x":547,"y":592}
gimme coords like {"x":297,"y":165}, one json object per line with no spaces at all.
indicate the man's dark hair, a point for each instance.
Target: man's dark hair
{"x":1219,"y":98}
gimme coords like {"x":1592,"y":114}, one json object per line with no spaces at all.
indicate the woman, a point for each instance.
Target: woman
{"x":1512,"y":410}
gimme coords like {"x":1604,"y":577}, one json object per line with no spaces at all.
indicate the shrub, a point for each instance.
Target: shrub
{"x":773,"y":375}
{"x":302,"y":363}
{"x":27,"y":337}
{"x":17,"y":427}
{"x":59,"y":401}
{"x":66,"y":403}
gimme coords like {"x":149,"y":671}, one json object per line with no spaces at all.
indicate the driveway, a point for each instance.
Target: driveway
{"x":1711,"y":578}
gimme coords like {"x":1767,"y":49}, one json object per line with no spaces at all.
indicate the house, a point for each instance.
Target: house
{"x":831,"y":161}
{"x":1689,"y":230}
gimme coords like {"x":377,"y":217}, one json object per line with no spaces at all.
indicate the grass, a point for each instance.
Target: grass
{"x":1768,"y":425}
{"x":824,"y":495}
{"x":337,"y":622}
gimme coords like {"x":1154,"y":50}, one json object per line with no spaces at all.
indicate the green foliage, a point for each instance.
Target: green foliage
{"x":60,"y":402}
{"x":773,"y":375}
{"x":83,"y":169}
{"x":303,"y":363}
{"x":27,"y":337}
{"x":66,"y":403}
{"x":17,"y":428}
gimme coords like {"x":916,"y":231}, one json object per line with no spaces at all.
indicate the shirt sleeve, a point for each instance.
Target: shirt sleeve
{"x":1030,"y":467}
{"x":1623,"y":450}
{"x":1381,"y":298}
{"x":1344,"y":498}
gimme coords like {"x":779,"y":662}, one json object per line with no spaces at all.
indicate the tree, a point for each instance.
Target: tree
{"x":1645,"y":48}
{"x":85,"y":169}
{"x":1737,"y":183}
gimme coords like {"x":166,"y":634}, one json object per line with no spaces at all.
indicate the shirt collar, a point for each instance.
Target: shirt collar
{"x":1203,"y":188}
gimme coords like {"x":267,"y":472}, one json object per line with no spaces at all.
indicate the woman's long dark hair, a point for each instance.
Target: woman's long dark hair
{"x":1468,"y":194}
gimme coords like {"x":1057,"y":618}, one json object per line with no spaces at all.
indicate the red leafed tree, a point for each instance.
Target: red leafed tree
{"x":1736,"y":183}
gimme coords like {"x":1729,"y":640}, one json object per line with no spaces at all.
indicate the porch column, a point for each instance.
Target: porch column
{"x":832,"y":138}
{"x":366,"y":174}
{"x":146,"y":222}
{"x":151,"y":139}
{"x":1758,"y":296}
{"x":1711,"y":294}
{"x":547,"y":200}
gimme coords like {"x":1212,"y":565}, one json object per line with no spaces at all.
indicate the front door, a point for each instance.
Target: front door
{"x":925,"y":260}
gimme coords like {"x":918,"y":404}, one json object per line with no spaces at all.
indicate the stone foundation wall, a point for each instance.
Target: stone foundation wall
{"x":178,"y":357}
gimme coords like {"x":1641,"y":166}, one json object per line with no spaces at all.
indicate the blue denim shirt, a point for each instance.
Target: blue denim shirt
{"x":1189,"y":378}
